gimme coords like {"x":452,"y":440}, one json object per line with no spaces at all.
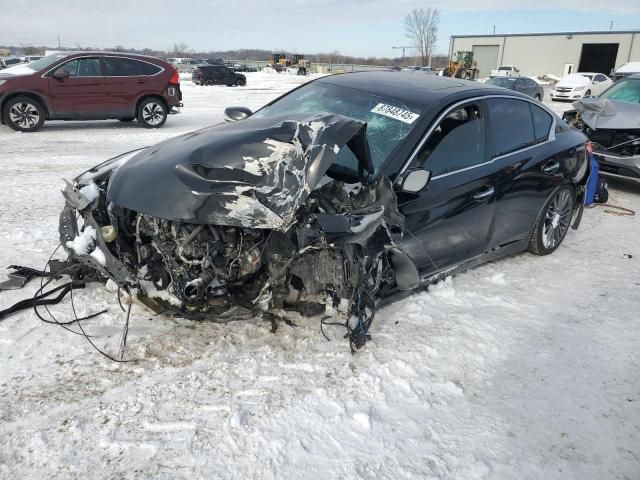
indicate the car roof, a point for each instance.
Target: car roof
{"x":407,"y":86}
{"x":108,"y":54}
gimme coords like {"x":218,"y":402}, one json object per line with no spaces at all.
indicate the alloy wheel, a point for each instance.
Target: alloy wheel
{"x":152,"y":113}
{"x":557,"y":219}
{"x":24,"y":115}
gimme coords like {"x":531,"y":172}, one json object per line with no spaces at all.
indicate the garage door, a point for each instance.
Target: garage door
{"x":598,"y":57}
{"x":487,"y":58}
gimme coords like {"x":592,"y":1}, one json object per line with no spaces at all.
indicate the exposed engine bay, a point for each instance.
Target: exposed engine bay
{"x":623,"y":141}
{"x":272,"y":222}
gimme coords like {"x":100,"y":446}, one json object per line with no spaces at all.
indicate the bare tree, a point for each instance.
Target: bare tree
{"x":181,"y":49}
{"x":421,"y":26}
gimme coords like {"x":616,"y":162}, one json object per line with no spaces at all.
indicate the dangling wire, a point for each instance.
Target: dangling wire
{"x":75,"y":315}
{"x":72,"y":271}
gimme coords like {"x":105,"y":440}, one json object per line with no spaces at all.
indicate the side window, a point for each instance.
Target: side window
{"x":542,"y":122}
{"x":511,"y":125}
{"x":121,"y":67}
{"x":600,"y":78}
{"x":89,"y":67}
{"x":71,"y":67}
{"x":457,"y":142}
{"x":148,"y":68}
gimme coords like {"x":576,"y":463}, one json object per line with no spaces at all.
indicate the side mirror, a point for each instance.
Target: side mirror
{"x":233,"y":114}
{"x":414,"y":180}
{"x":61,"y":74}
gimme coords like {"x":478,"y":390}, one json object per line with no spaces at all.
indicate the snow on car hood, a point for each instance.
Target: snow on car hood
{"x":608,"y":114}
{"x":573,"y":81}
{"x":253,"y":173}
{"x":17,"y":70}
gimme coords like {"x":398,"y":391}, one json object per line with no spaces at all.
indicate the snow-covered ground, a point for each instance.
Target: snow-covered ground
{"x":525,"y":368}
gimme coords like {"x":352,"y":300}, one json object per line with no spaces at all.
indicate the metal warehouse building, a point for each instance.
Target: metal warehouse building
{"x":555,"y":53}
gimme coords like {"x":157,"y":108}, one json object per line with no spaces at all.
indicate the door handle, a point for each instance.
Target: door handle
{"x":484,"y":193}
{"x":141,"y":81}
{"x":551,"y":167}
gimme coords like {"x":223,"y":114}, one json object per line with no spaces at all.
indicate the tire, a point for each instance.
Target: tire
{"x":208,"y":82}
{"x":127,"y":119}
{"x":554,"y":222}
{"x":152,"y":113}
{"x":23,"y":114}
{"x":460,"y":72}
{"x":241,"y":82}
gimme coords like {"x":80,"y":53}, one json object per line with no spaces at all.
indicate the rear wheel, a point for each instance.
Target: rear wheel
{"x":208,"y":82}
{"x":152,"y":113}
{"x":553,"y":223}
{"x":23,"y":114}
{"x":241,"y":82}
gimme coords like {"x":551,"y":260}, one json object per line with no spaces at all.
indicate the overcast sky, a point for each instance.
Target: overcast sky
{"x":352,"y":27}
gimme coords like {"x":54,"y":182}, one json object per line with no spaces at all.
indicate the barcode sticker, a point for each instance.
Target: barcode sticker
{"x":395,"y":112}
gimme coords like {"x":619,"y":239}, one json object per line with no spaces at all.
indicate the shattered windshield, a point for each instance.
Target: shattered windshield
{"x":625,"y":91}
{"x":389,"y":120}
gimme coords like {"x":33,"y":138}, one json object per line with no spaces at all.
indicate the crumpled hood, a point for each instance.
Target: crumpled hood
{"x":253,"y":173}
{"x":602,"y":113}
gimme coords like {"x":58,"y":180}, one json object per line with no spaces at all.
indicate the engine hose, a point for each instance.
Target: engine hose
{"x":189,"y":239}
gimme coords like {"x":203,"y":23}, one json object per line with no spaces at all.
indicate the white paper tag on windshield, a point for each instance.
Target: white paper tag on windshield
{"x":396,"y":113}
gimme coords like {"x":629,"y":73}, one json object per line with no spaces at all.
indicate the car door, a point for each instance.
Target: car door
{"x":125,"y":82}
{"x":519,"y":132}
{"x":82,"y":94}
{"x":520,"y":86}
{"x":448,"y":221}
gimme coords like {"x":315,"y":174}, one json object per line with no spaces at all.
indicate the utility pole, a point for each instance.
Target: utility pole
{"x":494,"y":29}
{"x":403,"y":49}
{"x":611,"y":25}
{"x":58,"y":41}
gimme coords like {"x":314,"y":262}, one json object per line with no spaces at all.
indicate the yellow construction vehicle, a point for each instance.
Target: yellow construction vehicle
{"x":462,"y":67}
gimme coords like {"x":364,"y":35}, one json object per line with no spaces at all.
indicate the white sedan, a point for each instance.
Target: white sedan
{"x":579,"y":85}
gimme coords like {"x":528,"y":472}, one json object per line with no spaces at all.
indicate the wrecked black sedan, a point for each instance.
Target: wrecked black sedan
{"x":612,"y":123}
{"x":344,"y":191}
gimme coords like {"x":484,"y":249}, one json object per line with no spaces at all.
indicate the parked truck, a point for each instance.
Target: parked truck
{"x":506,"y":71}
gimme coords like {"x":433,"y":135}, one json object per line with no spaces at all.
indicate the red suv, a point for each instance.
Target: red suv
{"x":89,"y":86}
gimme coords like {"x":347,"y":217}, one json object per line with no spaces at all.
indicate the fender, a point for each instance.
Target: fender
{"x":48,"y":108}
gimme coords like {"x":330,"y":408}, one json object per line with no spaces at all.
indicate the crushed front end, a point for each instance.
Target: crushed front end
{"x":223,"y":234}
